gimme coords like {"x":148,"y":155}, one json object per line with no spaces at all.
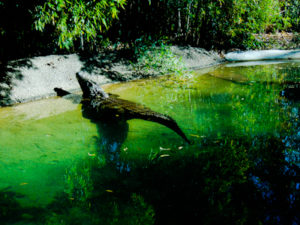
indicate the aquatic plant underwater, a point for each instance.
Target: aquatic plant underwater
{"x":242,"y":168}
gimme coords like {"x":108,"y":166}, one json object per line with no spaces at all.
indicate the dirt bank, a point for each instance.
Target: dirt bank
{"x":34,"y":78}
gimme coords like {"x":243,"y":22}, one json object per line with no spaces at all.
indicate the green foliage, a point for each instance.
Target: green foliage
{"x":211,"y":24}
{"x":253,"y":17}
{"x":291,"y":11}
{"x":156,"y":58}
{"x":77,"y":19}
{"x":88,"y":25}
{"x":233,"y":22}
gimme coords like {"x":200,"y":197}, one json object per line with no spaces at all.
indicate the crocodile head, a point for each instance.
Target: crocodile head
{"x":89,"y":88}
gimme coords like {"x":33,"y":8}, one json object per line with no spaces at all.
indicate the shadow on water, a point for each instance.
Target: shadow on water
{"x":228,"y":181}
{"x":232,"y":180}
{"x":245,"y":178}
{"x":11,"y":211}
{"x":217,"y":186}
{"x":112,"y":133}
{"x":8,"y":73}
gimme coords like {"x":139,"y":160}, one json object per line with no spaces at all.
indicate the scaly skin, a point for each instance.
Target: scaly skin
{"x":100,"y":106}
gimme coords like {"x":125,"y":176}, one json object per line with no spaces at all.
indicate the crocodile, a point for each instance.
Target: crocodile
{"x":101,"y":106}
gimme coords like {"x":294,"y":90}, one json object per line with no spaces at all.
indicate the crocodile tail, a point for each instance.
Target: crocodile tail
{"x":164,"y":120}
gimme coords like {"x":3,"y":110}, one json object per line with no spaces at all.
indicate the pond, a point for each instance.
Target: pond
{"x":57,"y":167}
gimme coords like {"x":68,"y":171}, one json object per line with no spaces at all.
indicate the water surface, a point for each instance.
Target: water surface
{"x":58,"y":167}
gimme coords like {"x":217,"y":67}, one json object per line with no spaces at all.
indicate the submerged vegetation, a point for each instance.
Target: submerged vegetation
{"x":243,"y":164}
{"x":242,"y":168}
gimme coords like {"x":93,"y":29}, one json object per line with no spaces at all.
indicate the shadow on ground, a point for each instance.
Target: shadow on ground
{"x":115,"y":65}
{"x":10,"y":71}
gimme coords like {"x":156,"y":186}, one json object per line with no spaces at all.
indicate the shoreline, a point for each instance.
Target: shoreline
{"x":32,"y":79}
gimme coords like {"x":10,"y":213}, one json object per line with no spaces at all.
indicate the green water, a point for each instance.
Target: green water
{"x":242,"y":167}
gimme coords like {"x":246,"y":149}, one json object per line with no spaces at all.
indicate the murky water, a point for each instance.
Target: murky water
{"x":58,"y":167}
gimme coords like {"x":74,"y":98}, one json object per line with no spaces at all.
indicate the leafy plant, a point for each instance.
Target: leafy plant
{"x":156,"y":58}
{"x":291,"y":12}
{"x":211,"y":24}
{"x":77,"y":19}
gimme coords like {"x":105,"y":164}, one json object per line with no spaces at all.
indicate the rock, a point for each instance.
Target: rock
{"x":262,"y":55}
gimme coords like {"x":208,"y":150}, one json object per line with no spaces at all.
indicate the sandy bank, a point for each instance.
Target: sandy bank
{"x":35,"y":78}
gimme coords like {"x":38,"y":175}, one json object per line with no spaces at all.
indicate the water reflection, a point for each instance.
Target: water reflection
{"x":243,"y":167}
{"x":232,"y":180}
{"x":11,"y":211}
{"x":245,"y":170}
{"x":112,"y":133}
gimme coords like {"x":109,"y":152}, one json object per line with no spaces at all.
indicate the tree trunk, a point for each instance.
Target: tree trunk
{"x":195,"y":25}
{"x":81,"y":43}
{"x":188,"y":21}
{"x":179,"y":30}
